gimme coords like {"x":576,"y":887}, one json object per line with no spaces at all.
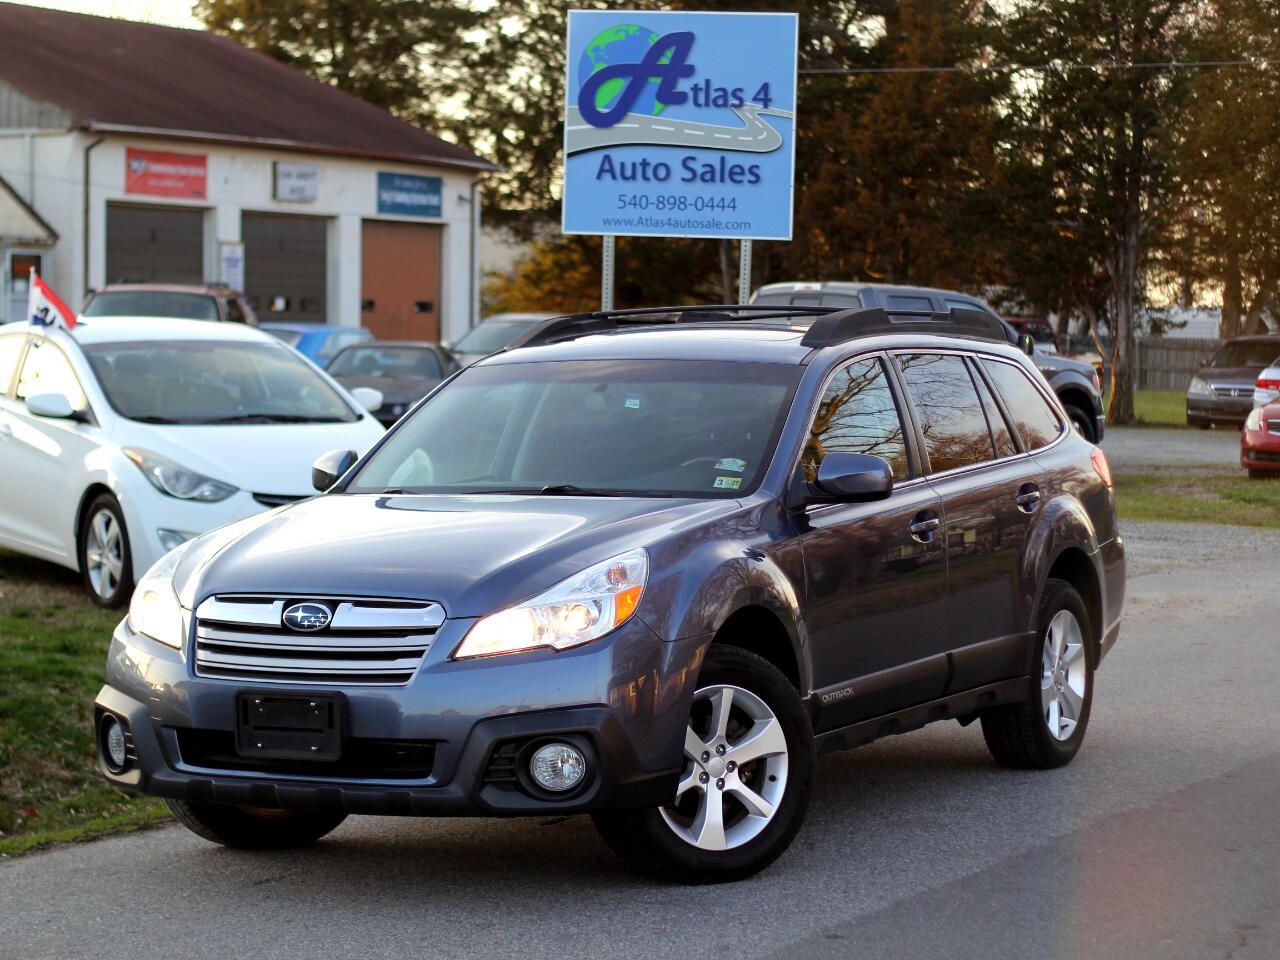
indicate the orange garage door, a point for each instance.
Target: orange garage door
{"x":400,"y":280}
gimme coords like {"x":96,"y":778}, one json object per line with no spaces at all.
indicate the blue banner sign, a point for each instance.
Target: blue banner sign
{"x":406,"y":195}
{"x":680,"y":124}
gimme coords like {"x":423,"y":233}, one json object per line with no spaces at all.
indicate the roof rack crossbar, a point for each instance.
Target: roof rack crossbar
{"x":582,"y":324}
{"x":959,"y":322}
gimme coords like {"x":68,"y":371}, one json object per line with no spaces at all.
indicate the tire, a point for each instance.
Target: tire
{"x":106,"y":563}
{"x":1081,"y":421}
{"x":1058,"y":697}
{"x":248,"y":828}
{"x":664,"y":841}
{"x":1255,"y":474}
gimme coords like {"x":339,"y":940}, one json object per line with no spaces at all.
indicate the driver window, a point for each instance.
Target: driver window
{"x":47,"y":370}
{"x":857,"y":415}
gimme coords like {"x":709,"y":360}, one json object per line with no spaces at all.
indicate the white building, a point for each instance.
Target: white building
{"x":139,"y":153}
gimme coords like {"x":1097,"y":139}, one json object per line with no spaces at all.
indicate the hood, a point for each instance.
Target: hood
{"x":1056,"y":363}
{"x":393,"y":389}
{"x":472,"y":554}
{"x":257,"y":457}
{"x":1236,"y":376}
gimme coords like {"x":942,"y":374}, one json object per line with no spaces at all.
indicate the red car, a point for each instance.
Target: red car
{"x":1260,"y":442}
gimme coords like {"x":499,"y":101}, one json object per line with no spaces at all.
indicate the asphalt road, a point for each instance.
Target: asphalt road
{"x":1135,"y":448}
{"x":1160,"y":841}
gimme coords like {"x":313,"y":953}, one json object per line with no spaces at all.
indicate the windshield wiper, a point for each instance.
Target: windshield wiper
{"x":154,"y":419}
{"x":569,"y":489}
{"x":270,"y":418}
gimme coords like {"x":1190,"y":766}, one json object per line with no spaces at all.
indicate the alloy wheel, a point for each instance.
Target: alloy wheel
{"x":104,"y":554}
{"x":735,"y":771}
{"x":1064,"y":675}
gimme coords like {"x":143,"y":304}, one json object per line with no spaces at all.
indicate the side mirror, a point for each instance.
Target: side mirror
{"x":852,"y":478}
{"x":368,"y":398}
{"x":53,"y":405}
{"x":330,"y":466}
{"x":1027,"y":343}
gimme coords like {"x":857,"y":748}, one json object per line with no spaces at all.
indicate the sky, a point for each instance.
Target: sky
{"x":172,"y":13}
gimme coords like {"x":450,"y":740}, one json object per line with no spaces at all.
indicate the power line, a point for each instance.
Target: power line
{"x":1044,"y":68}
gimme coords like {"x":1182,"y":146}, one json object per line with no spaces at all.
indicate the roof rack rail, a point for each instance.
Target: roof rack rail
{"x":576,"y":325}
{"x":959,"y":322}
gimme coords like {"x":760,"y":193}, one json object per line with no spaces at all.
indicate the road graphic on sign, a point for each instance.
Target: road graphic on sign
{"x":637,"y":129}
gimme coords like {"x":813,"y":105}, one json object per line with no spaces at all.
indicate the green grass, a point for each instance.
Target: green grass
{"x":1158,"y":408}
{"x":53,"y":645}
{"x":1198,"y":496}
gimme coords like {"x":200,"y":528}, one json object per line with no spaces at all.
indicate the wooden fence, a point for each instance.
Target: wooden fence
{"x":1169,"y":364}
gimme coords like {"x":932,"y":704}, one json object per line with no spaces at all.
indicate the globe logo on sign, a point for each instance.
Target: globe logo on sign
{"x":631,"y":69}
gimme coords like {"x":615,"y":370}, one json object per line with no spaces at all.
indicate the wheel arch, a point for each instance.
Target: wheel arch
{"x":90,"y":493}
{"x":760,"y":630}
{"x":1074,"y":566}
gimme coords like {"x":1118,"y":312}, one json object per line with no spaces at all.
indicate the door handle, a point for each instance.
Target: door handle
{"x":1028,"y":498}
{"x":926,"y":522}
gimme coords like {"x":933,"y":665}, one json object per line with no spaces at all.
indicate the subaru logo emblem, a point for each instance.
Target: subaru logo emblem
{"x":307,"y":616}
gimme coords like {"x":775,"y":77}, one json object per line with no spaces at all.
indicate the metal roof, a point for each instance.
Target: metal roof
{"x":117,"y":76}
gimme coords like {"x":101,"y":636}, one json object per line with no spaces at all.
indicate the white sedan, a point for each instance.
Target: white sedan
{"x":121,"y":440}
{"x":1267,"y":387}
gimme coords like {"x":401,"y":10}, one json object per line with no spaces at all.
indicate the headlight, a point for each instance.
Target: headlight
{"x":176,"y":480}
{"x":1254,"y":420}
{"x":1199,"y":388}
{"x":578,"y":610}
{"x":154,"y":609}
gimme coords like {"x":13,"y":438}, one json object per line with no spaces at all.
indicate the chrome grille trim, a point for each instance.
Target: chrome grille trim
{"x":1227,"y":391}
{"x":1273,"y":426}
{"x":370,"y":641}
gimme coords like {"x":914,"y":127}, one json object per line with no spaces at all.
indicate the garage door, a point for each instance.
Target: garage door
{"x":154,"y":244}
{"x":400,"y":280}
{"x":285,"y":264}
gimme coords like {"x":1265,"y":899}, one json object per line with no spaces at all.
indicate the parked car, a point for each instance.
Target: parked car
{"x":170,"y":300}
{"x":319,"y":342}
{"x":643,"y":572}
{"x":122,"y":440}
{"x":403,"y":371}
{"x":1078,"y":384}
{"x":1043,"y":335}
{"x":1260,"y":442}
{"x":1222,"y":390}
{"x":1267,"y":387}
{"x":493,"y":333}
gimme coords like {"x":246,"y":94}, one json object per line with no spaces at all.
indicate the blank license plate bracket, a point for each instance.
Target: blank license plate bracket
{"x":290,"y":726}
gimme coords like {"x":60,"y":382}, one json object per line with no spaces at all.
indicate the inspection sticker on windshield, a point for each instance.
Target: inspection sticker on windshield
{"x":729,"y":463}
{"x":728,"y":483}
{"x":633,"y":403}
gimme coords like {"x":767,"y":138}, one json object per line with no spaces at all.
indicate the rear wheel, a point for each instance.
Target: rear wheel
{"x":254,"y":828}
{"x":748,"y":774}
{"x":1047,"y":728}
{"x":105,"y":563}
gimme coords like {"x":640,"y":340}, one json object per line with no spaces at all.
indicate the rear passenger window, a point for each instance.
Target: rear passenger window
{"x":857,"y":415}
{"x":1005,"y":446}
{"x":951,"y":418}
{"x":1033,"y":416}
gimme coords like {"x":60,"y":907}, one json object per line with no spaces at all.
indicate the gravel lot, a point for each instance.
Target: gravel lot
{"x":1160,"y":841}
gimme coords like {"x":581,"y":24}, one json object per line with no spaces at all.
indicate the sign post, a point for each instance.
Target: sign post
{"x":609,"y":249}
{"x":680,"y":124}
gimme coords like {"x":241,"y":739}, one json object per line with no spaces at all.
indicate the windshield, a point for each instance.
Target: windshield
{"x":489,"y":337}
{"x":202,"y":382}
{"x":608,"y":427}
{"x":417,"y":363}
{"x":152,"y":303}
{"x":1247,"y":353}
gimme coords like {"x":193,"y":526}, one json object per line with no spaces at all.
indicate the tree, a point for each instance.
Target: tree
{"x":1229,"y":163}
{"x":1099,"y":133}
{"x":379,"y":50}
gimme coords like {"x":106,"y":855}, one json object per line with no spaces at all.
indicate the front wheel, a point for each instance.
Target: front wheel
{"x":747,"y":778}
{"x":105,"y":563}
{"x":254,"y":828}
{"x":1047,"y":728}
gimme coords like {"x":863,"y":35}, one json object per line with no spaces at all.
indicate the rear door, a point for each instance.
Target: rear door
{"x":875,"y":572}
{"x":990,"y":490}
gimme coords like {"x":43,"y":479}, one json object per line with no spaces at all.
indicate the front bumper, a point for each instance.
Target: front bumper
{"x":147,"y":511}
{"x":625,"y":699}
{"x":1202,"y":409}
{"x":1260,"y":450}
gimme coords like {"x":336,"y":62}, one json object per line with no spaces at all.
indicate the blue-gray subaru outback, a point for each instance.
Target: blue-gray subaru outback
{"x":647,"y":566}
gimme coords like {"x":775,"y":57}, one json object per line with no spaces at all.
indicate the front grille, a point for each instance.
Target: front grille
{"x":367,"y":641}
{"x":361,"y":758}
{"x":1222,"y":390}
{"x":276,"y":499}
{"x":1263,"y":456}
{"x":1273,"y":426}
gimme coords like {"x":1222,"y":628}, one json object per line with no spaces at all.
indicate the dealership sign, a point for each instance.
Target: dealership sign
{"x":406,"y":195}
{"x":158,"y":173}
{"x":295,"y":182}
{"x":680,"y":124}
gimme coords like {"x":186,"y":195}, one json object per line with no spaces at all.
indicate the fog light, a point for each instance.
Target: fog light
{"x":558,"y":767}
{"x":113,"y":744}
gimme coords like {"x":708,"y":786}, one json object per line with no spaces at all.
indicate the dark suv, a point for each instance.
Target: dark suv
{"x":1077,"y":384}
{"x":646,"y":566}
